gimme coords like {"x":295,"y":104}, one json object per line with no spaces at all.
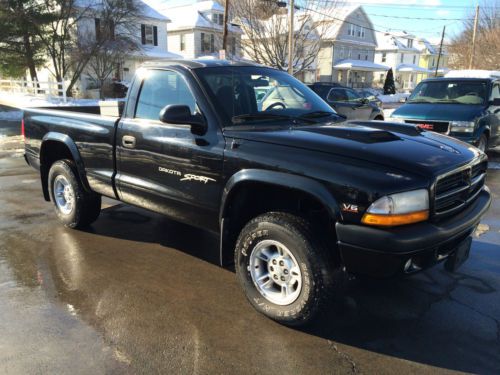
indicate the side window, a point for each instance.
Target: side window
{"x":162,"y":88}
{"x":352,"y":96}
{"x":337,"y":95}
{"x":495,"y":91}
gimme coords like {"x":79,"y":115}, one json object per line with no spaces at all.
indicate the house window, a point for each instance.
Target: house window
{"x":414,"y":59}
{"x":182,"y":42}
{"x":359,"y":55}
{"x":149,"y":35}
{"x":349,"y":53}
{"x":384,"y":57}
{"x":207,"y":42}
{"x":341,"y":53}
{"x":410,"y":43}
{"x":433,"y":61}
{"x":104,"y":30}
{"x":362,"y":32}
{"x":218,"y":18}
{"x":351,"y":30}
{"x":402,"y":57}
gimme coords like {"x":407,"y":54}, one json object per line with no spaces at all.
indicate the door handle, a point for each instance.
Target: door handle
{"x":128,"y":141}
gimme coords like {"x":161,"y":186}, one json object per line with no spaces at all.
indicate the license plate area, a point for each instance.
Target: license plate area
{"x":459,"y":256}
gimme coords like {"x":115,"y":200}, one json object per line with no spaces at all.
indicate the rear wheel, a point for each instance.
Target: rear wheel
{"x":284,"y":268}
{"x":379,"y":118}
{"x":73,"y":205}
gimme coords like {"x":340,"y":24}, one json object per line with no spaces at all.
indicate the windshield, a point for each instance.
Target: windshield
{"x":248,"y":94}
{"x":446,"y":91}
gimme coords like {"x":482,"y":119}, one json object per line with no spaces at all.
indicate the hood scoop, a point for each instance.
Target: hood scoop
{"x":358,"y":134}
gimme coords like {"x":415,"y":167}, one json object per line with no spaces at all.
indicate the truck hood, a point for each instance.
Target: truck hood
{"x":410,"y":149}
{"x":443,"y":112}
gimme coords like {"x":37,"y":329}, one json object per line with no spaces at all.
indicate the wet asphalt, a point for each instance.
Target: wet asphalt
{"x":138,"y":294}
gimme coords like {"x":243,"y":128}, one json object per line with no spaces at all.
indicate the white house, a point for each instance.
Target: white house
{"x":348,"y":48}
{"x":400,"y":52}
{"x":196,"y":29}
{"x":150,"y":33}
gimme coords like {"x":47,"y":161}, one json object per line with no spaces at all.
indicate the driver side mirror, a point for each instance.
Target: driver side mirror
{"x":181,"y":115}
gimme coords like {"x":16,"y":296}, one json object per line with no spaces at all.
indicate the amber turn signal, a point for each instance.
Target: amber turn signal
{"x":394,"y":220}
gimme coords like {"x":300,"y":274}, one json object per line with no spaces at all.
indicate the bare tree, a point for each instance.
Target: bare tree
{"x":70,"y":39}
{"x":487,"y":51}
{"x":266,"y":31}
{"x":105,"y":62}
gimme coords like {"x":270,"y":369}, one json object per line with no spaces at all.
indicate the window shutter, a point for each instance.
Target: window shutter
{"x":202,"y":42}
{"x":143,"y":34}
{"x":155,"y":35}
{"x":212,"y":48}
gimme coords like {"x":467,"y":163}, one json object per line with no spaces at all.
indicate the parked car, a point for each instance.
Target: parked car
{"x":372,"y":96}
{"x":295,"y":193}
{"x":323,"y":88}
{"x":352,"y":106}
{"x":464,"y":108}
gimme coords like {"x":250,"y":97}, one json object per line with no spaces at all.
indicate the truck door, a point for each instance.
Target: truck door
{"x":165,"y":167}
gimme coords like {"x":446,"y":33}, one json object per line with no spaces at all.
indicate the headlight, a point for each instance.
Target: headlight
{"x":462,"y":126}
{"x":396,"y":119}
{"x":398,"y":209}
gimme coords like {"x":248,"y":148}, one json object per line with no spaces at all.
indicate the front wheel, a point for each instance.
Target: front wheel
{"x":284,"y":269}
{"x":483,"y":143}
{"x":73,"y":205}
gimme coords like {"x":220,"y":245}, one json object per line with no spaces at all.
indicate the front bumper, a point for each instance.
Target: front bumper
{"x":381,"y":252}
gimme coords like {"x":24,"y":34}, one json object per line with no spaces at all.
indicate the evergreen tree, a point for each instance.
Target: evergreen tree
{"x":389,"y":86}
{"x":20,"y":47}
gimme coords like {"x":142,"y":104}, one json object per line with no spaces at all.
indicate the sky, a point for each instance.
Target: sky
{"x":434,"y":15}
{"x":427,"y":17}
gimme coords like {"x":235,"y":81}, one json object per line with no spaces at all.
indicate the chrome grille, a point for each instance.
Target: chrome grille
{"x":456,"y":189}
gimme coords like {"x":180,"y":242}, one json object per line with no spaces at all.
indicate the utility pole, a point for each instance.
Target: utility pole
{"x":440,"y":51}
{"x":224,"y":32}
{"x":471,"y":61}
{"x":290,"y":37}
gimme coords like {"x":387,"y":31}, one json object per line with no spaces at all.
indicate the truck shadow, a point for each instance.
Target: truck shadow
{"x":434,"y":318}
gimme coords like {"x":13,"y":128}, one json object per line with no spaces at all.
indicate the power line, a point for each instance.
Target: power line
{"x":352,"y":23}
{"x":411,"y":6}
{"x":421,"y":18}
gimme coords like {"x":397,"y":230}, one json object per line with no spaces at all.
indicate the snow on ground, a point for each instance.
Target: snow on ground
{"x":21,"y":100}
{"x":388,"y":112}
{"x":395,"y":98}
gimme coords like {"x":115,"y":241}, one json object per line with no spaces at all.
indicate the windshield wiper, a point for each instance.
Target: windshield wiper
{"x":266,"y":116}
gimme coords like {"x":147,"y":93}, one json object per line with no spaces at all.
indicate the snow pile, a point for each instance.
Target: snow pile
{"x":20,"y":100}
{"x":394,"y":98}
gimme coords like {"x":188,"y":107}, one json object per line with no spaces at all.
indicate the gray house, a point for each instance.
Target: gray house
{"x":348,"y":48}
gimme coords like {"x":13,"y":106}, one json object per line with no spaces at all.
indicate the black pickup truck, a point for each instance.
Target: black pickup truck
{"x":294,"y":191}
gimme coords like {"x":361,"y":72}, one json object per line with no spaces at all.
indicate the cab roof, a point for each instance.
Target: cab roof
{"x":198,"y":63}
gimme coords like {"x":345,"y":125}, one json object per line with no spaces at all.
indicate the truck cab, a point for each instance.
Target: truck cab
{"x":464,"y":106}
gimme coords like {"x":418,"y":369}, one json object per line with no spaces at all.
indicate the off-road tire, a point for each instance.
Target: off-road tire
{"x":87,"y":206}
{"x":315,"y":262}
